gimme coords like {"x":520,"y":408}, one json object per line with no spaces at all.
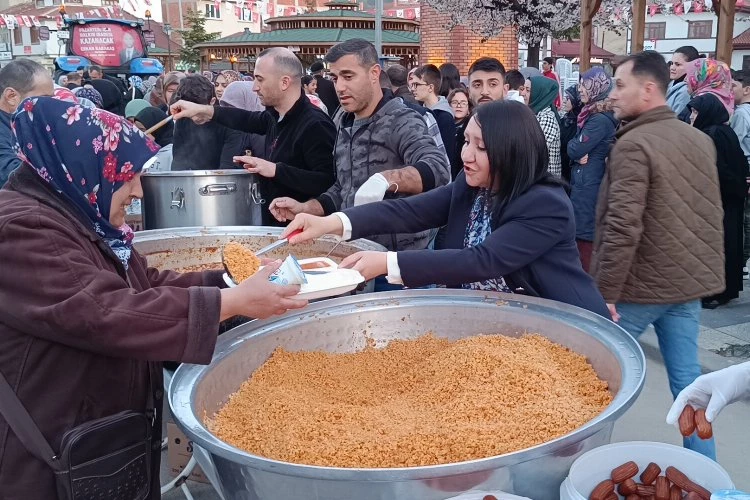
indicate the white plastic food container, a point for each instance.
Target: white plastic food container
{"x":595,"y":466}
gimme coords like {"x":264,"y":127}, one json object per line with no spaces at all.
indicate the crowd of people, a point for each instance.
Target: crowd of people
{"x":625,"y":195}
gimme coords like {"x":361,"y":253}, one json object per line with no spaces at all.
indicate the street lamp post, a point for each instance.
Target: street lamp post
{"x":168,"y":31}
{"x":148,"y":20}
{"x":233,"y":61}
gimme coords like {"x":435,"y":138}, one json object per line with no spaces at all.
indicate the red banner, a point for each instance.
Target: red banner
{"x":109,"y":45}
{"x":26,"y":21}
{"x":269,"y":9}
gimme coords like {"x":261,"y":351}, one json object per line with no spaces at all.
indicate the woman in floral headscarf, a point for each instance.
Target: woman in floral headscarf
{"x":90,"y":94}
{"x":709,"y":76}
{"x":588,"y":151}
{"x":77,"y":300}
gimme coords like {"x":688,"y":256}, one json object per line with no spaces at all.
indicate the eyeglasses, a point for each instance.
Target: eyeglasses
{"x":459,"y":104}
{"x":417,"y":84}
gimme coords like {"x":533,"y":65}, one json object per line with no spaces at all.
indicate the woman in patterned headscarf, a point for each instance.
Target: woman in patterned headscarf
{"x":588,"y":153}
{"x":709,"y":76}
{"x":77,"y":298}
{"x":223,"y":80}
{"x":90,"y":94}
{"x":136,"y":89}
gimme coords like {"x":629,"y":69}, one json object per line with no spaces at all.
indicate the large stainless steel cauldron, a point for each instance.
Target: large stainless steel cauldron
{"x":341,"y":325}
{"x":201,"y":198}
{"x":179,"y":248}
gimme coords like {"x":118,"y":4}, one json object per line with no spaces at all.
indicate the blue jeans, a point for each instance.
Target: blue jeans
{"x":676,"y":327}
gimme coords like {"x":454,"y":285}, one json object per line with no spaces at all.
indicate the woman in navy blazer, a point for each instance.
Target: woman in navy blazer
{"x":510,"y":224}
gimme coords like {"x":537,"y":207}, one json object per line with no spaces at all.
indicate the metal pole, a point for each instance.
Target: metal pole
{"x":379,"y":28}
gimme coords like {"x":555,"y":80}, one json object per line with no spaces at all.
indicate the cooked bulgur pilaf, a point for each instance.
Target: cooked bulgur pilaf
{"x":240,"y":261}
{"x":413,"y":403}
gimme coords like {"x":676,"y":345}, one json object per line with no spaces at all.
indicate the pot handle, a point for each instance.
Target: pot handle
{"x":255,"y":194}
{"x":217,"y":189}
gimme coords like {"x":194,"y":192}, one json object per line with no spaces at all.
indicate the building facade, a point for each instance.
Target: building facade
{"x":696,"y":26}
{"x":311,"y":34}
{"x":461,"y":46}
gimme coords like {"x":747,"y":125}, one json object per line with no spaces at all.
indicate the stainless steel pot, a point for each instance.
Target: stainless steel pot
{"x":342,"y":325}
{"x":201,"y":198}
{"x":179,"y":248}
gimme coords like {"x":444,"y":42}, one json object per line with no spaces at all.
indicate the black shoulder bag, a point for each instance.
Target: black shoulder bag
{"x":104,"y":459}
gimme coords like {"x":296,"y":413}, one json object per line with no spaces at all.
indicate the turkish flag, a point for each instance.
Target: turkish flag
{"x":652,"y":10}
{"x":409,"y":13}
{"x":269,"y":9}
{"x":678,"y":8}
{"x":698,"y":6}
{"x":26,"y":21}
{"x":2,"y":22}
{"x":256,"y":17}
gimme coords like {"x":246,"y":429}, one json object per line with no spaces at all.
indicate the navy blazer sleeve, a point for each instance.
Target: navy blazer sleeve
{"x":404,"y":215}
{"x":531,"y":226}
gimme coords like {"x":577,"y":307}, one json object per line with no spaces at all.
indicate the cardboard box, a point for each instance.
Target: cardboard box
{"x":179,"y":452}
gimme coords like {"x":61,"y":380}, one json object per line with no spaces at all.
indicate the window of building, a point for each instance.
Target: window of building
{"x":34,"y":35}
{"x":700,"y":29}
{"x":18,"y":36}
{"x":47,"y":3}
{"x":212,"y":12}
{"x":655,"y":31}
{"x":111,"y":2}
{"x":246,"y":15}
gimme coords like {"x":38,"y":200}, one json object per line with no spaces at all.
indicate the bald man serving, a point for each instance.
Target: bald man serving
{"x":298,"y":160}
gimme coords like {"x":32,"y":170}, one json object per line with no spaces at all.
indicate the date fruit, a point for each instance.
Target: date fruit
{"x":687,"y":421}
{"x":662,"y":488}
{"x":624,"y":471}
{"x":627,"y":487}
{"x":646,"y":490}
{"x":675,"y":493}
{"x":703,"y":426}
{"x":634,"y":496}
{"x":684,"y":483}
{"x":602,"y":490}
{"x":650,"y":474}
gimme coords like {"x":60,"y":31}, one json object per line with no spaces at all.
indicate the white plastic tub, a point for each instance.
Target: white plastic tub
{"x":595,"y":466}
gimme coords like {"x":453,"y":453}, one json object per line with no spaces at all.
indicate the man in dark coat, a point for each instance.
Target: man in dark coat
{"x":326,"y":90}
{"x":398,"y":76}
{"x":19,"y":79}
{"x":298,"y":161}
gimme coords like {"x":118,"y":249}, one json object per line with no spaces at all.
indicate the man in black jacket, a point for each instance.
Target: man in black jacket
{"x":326,"y":90}
{"x":19,"y":79}
{"x":398,"y":76}
{"x":300,"y":137}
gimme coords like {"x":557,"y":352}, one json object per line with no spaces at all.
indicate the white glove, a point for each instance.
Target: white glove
{"x":713,"y":391}
{"x":372,"y":190}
